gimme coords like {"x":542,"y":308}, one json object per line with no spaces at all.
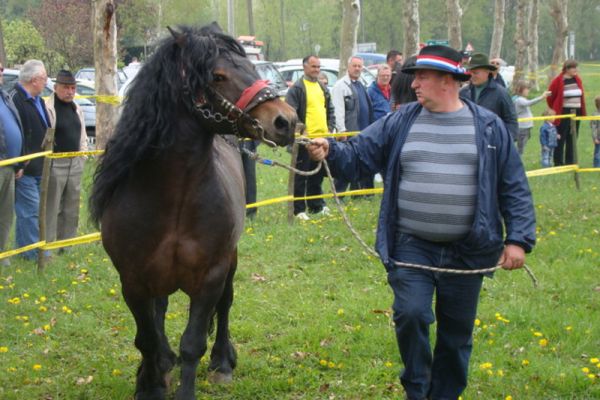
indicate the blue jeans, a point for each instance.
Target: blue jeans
{"x":27,"y":204}
{"x":547,"y":156}
{"x":443,"y":374}
{"x":596,"y":155}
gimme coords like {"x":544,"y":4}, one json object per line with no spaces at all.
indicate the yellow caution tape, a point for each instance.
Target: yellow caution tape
{"x":588,"y":118}
{"x":75,"y":154}
{"x":22,"y":249}
{"x":92,"y":237}
{"x":23,"y":158}
{"x":552,"y":170}
{"x":284,"y":199}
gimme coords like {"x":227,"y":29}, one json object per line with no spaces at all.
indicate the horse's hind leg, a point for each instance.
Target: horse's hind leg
{"x":167,"y":357}
{"x":150,"y":383}
{"x":193,"y":342}
{"x":223,"y":357}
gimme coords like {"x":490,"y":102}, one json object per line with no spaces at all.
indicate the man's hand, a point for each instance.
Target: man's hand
{"x":19,"y":174}
{"x":318,"y":149}
{"x":513,"y":257}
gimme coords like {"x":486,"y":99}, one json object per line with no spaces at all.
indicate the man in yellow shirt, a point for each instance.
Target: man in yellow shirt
{"x":313,"y":105}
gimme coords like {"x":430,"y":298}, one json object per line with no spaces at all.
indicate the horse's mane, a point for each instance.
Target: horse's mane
{"x":158,"y":90}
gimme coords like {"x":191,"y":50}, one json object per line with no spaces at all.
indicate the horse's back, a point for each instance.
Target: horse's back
{"x":177,"y":222}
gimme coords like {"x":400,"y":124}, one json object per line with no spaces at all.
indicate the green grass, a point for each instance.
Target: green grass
{"x":311,"y":319}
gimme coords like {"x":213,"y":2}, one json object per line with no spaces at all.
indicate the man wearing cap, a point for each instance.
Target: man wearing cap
{"x":11,"y":146}
{"x":64,"y":186}
{"x":452,"y":179}
{"x":34,"y":117}
{"x":485,"y":91}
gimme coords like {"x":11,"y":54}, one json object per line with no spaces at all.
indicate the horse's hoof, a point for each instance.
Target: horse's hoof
{"x":220,"y":378}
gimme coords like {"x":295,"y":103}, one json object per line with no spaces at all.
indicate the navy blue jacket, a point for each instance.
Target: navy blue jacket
{"x":503,"y":196}
{"x":3,"y":145}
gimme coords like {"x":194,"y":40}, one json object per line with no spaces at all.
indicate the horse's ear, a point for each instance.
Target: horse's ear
{"x":180,"y":38}
{"x":214,"y":26}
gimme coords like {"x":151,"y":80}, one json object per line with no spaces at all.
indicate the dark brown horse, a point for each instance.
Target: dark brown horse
{"x":169,"y":195}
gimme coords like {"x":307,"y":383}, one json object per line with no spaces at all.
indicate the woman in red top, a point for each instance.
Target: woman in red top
{"x":566,"y":98}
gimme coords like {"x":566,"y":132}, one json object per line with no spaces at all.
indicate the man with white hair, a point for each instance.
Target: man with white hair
{"x":353,"y":112}
{"x":35,"y":120}
{"x":380,"y":92}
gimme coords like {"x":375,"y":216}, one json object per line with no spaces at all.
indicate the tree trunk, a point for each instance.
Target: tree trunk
{"x":498,"y":33}
{"x":282,"y":29}
{"x":105,"y":62}
{"x":2,"y":50}
{"x":533,"y":17}
{"x":454,"y":26}
{"x":411,"y":27}
{"x":349,"y":32}
{"x":520,"y":41}
{"x":558,"y":11}
{"x":250,"y":18}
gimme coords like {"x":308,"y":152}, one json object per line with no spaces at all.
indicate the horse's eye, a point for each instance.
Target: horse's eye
{"x":218,"y":78}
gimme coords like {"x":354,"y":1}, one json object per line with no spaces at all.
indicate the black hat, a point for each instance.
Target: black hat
{"x":440,"y":58}
{"x":65,"y":77}
{"x":480,"y":60}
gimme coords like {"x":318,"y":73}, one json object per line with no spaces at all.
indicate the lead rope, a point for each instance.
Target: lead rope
{"x":369,"y":249}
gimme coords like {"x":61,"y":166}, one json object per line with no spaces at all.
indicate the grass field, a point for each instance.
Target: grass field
{"x":311,"y":317}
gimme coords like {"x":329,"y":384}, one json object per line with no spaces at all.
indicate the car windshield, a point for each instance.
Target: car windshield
{"x":270,"y":73}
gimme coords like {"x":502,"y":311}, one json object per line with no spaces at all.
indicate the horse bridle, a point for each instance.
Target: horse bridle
{"x":234,"y":114}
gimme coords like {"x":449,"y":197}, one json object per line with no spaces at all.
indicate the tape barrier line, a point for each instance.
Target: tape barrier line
{"x":284,"y":199}
{"x":23,"y":249}
{"x":75,"y":154}
{"x":92,"y":237}
{"x":28,"y":157}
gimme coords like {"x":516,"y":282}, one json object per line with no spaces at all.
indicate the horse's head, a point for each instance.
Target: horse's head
{"x":226,"y":93}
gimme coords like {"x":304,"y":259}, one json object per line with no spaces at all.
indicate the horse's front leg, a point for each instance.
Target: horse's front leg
{"x":150,"y":383}
{"x":193,"y":342}
{"x":223,"y":358}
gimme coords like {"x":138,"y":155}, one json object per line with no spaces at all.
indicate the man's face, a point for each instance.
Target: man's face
{"x":396,"y":61}
{"x":427,"y":86}
{"x":38,"y":83}
{"x":479,"y":76}
{"x":384,"y":76}
{"x":355,"y":67}
{"x":312,"y":68}
{"x":64,"y":92}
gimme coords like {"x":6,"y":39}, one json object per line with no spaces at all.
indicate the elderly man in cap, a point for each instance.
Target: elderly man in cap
{"x":62,"y":216}
{"x":452,"y":180}
{"x":487,"y":92}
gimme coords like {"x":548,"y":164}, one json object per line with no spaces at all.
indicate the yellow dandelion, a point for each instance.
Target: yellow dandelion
{"x":509,"y":397}
{"x":477,"y":322}
{"x":112,"y":292}
{"x":340,"y":311}
{"x":36,"y":367}
{"x":538,"y":334}
{"x":331,"y":364}
{"x":525,"y":362}
{"x":486,"y":365}
{"x":569,"y":328}
{"x":25,"y":295}
{"x":116,"y":372}
{"x":500,"y":373}
{"x":543,"y":342}
{"x":594,"y":360}
{"x":14,"y":300}
{"x":389,"y":364}
{"x":323,"y":362}
{"x":585,"y":370}
{"x":43,"y":309}
{"x":552,"y":233}
{"x":3,"y":349}
{"x":591,"y":376}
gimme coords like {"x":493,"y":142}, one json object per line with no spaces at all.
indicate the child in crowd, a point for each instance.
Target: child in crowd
{"x":595,"y":125}
{"x":548,"y":139}
{"x":522,"y":105}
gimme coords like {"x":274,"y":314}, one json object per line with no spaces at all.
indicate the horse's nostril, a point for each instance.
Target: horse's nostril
{"x":281,"y":123}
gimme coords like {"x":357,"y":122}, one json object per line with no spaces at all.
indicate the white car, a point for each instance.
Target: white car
{"x":292,"y":70}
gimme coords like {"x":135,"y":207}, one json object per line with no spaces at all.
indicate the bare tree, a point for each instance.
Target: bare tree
{"x":250,"y":18}
{"x":105,"y":62}
{"x":2,"y":50}
{"x":412,"y":28}
{"x":558,"y":11}
{"x":498,"y":33}
{"x":282,"y":28}
{"x":533,"y":17}
{"x":520,"y":40}
{"x":454,"y":25}
{"x":349,"y":32}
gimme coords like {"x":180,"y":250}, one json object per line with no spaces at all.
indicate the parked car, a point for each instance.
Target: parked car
{"x":292,"y":70}
{"x":370,"y":59}
{"x":268,"y":71}
{"x":89,"y":74}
